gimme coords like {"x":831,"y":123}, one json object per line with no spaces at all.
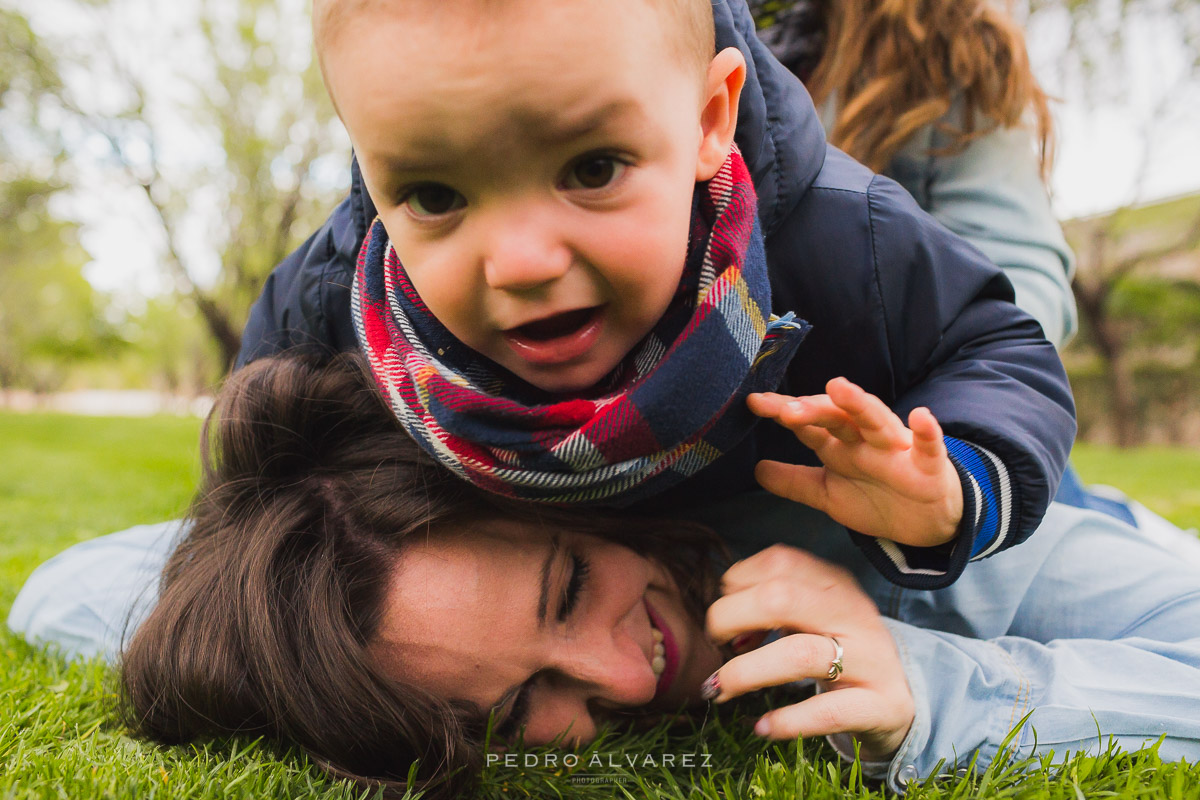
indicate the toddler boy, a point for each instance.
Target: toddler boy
{"x":566,"y":293}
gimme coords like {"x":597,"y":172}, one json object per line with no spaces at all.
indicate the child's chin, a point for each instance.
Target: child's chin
{"x":576,"y":380}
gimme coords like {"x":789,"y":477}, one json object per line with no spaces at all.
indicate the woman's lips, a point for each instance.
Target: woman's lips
{"x":671,"y":654}
{"x":557,"y":339}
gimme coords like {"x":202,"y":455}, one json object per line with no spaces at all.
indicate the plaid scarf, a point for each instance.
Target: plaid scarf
{"x":673,"y":406}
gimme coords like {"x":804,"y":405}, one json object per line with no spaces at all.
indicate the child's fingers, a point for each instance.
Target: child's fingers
{"x":928,"y":445}
{"x":878,"y":425}
{"x":815,"y":438}
{"x":794,"y":482}
{"x":766,"y":404}
{"x":820,"y":411}
{"x":795,"y":413}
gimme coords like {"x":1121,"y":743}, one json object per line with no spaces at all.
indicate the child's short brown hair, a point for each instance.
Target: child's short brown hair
{"x":691,"y":18}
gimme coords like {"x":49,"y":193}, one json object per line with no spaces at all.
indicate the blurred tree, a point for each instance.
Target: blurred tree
{"x":1138,"y":290}
{"x":50,"y":317}
{"x":257,"y":126}
{"x":1126,"y":304}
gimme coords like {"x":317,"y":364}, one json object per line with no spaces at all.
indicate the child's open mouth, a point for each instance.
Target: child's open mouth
{"x":558,"y":338}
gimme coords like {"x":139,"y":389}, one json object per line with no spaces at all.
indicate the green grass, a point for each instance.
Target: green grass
{"x":1164,"y":479}
{"x":64,"y":479}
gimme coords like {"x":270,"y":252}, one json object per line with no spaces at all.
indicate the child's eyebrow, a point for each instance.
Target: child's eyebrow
{"x":556,"y":127}
{"x":404,"y":163}
{"x":545,"y":127}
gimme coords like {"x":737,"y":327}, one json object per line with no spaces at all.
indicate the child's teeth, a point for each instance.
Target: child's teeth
{"x":658,"y":637}
{"x":658,"y":665}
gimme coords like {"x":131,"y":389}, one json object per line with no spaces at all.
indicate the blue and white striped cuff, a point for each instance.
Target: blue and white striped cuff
{"x":987,"y":483}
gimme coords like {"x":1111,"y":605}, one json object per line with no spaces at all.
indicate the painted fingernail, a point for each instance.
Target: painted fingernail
{"x":763,"y":727}
{"x":711,"y":687}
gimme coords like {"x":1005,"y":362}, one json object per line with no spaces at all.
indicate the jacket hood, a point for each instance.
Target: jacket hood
{"x":778,"y":130}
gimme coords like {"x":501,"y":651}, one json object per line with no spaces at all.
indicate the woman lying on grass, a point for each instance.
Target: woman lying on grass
{"x":339,"y":591}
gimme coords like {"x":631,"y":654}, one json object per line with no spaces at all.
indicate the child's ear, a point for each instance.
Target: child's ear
{"x":718,"y":116}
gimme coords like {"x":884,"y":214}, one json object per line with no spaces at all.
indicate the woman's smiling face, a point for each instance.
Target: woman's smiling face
{"x":555,"y":630}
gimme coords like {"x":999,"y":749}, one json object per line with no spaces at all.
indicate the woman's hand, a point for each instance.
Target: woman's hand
{"x":880,"y":477}
{"x":813,"y":602}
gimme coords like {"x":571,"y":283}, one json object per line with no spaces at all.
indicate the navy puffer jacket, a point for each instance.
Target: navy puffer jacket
{"x":897,"y":303}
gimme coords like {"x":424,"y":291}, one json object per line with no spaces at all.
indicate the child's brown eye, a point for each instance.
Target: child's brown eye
{"x":433,"y":199}
{"x":594,"y":173}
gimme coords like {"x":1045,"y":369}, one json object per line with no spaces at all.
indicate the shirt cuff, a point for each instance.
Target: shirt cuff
{"x":901,"y":770}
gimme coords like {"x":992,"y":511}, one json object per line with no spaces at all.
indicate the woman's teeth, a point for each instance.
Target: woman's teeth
{"x":659,"y":662}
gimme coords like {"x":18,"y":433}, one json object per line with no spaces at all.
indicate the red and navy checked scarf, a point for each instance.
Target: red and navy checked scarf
{"x":674,"y":405}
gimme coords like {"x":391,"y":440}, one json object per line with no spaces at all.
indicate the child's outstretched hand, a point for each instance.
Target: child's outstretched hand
{"x":880,"y":478}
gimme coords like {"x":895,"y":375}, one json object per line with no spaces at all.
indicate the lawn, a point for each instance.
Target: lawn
{"x":65,"y":479}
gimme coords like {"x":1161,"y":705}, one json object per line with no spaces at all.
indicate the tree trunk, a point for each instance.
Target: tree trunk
{"x":1118,"y":369}
{"x":226,"y":334}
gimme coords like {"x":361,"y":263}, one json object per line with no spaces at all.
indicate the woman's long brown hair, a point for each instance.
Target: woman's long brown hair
{"x":896,"y":66}
{"x":267,"y":608}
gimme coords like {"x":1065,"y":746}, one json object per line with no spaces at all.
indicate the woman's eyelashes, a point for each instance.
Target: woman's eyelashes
{"x":575,"y":584}
{"x":517,"y":715}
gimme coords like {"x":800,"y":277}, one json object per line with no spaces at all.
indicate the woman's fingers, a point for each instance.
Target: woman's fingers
{"x":792,"y":658}
{"x":849,"y":710}
{"x":823,"y":607}
{"x":812,"y":601}
{"x":781,"y":561}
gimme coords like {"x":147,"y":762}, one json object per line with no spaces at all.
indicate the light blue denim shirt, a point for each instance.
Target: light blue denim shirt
{"x":1090,"y":625}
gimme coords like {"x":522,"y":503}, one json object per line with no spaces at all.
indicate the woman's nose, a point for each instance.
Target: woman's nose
{"x":612,"y":672}
{"x":594,"y":685}
{"x":524,"y":251}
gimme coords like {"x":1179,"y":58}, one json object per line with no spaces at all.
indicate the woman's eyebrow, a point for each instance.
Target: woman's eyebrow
{"x":544,"y":594}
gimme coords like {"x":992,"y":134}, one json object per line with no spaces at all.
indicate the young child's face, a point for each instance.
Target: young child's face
{"x":533,"y":162}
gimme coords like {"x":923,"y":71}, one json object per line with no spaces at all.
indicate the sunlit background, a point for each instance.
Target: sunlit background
{"x":158,"y":158}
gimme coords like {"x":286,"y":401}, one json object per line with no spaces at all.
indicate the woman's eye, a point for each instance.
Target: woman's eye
{"x":433,"y":199}
{"x":594,"y":172}
{"x":575,"y":584}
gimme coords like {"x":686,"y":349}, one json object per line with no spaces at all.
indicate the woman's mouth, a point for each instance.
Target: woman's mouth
{"x":557,"y":339}
{"x":665,"y":659}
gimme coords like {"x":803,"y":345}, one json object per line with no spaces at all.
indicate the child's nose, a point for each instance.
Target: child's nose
{"x":525,"y":254}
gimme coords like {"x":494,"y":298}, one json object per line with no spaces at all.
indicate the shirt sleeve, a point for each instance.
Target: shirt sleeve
{"x":991,"y":193}
{"x":1065,"y":696}
{"x":1089,"y":631}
